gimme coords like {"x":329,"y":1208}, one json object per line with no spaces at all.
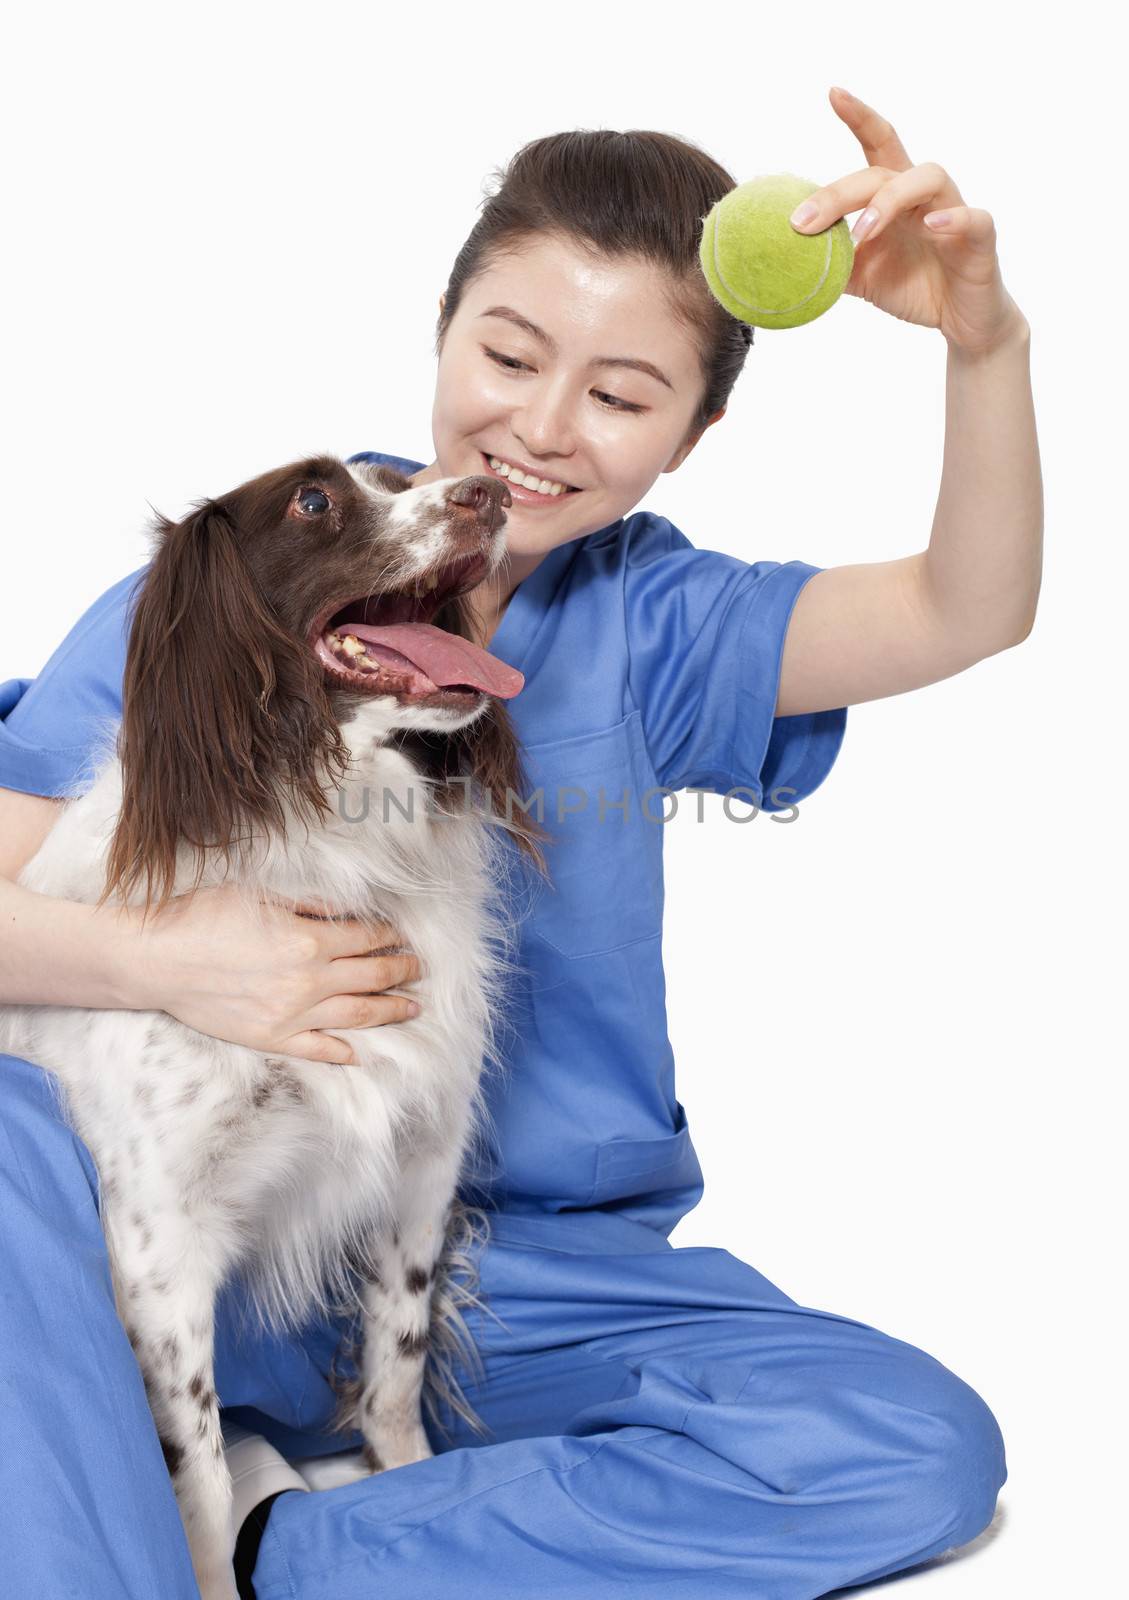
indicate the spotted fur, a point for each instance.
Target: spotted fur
{"x":325,"y":1190}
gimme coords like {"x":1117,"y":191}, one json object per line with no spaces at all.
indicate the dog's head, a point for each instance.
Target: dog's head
{"x":364,"y":568}
{"x":270,"y":619}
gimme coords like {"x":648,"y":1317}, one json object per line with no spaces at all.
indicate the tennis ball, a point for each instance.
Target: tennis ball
{"x":760,"y":268}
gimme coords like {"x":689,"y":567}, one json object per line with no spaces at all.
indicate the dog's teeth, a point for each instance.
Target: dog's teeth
{"x":352,"y":646}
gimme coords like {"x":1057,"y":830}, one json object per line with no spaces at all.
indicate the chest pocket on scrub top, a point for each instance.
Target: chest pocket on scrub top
{"x":605,"y":888}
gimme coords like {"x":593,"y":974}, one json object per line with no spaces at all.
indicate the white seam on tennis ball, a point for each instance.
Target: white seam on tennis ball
{"x":769,"y":311}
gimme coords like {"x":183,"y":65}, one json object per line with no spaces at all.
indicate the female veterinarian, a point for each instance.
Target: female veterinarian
{"x":661,"y":1419}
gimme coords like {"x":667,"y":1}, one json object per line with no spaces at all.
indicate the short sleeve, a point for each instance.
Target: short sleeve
{"x":57,"y":728}
{"x":706,"y":638}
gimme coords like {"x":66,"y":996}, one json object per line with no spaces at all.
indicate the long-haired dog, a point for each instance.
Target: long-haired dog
{"x":300,"y":656}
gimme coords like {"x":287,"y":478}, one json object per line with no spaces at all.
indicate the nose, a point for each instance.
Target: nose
{"x":483,"y":496}
{"x":547,"y":424}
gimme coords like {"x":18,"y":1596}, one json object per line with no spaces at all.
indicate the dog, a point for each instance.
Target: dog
{"x":299,"y":642}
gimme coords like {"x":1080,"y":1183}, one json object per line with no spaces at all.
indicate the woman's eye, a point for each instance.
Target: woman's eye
{"x":510,"y":365}
{"x":504,"y":361}
{"x":313,"y":501}
{"x":618,"y":405}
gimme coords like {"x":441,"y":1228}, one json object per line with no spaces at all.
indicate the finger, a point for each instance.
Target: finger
{"x":349,"y":936}
{"x":310,"y":908}
{"x":836,"y":199}
{"x":322,"y":911}
{"x":927,"y":187}
{"x":320,"y":1047}
{"x":885,"y":196}
{"x":880,"y":143}
{"x":362,"y":1011}
{"x":967,"y":223}
{"x":371,"y":974}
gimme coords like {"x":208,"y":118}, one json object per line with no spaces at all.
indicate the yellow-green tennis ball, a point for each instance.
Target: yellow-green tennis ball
{"x":760,"y":268}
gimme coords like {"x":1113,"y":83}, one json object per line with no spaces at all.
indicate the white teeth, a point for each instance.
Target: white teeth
{"x":352,"y":646}
{"x":526,"y":480}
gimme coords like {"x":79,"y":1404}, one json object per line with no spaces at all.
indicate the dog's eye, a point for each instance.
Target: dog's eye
{"x":313,"y":501}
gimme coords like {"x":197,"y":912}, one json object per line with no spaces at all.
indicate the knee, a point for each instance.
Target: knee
{"x":880,"y":1416}
{"x":959,"y":1457}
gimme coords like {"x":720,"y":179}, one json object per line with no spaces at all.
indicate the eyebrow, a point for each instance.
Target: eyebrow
{"x":550,"y":344}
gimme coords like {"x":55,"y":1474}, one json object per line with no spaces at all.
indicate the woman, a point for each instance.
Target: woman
{"x":658,"y":1417}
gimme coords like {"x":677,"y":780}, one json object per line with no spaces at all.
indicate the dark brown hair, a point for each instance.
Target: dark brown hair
{"x":639,"y":193}
{"x":222,"y":711}
{"x":226,"y":719}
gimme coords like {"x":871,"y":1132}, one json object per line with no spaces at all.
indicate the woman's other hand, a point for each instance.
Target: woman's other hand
{"x":270,"y":976}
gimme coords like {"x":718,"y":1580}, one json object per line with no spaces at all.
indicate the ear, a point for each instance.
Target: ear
{"x":487,"y":752}
{"x":224,"y":713}
{"x":492,"y":760}
{"x":690,"y":441}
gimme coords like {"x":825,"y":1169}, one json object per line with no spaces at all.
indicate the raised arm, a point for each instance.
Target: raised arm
{"x":866,"y":631}
{"x":863,"y":632}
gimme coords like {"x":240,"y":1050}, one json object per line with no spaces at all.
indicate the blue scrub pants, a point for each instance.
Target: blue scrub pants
{"x":664,"y":1420}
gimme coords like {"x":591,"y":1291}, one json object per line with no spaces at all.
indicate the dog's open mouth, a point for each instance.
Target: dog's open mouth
{"x":387,"y":644}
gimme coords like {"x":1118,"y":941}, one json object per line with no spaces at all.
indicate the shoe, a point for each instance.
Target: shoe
{"x":257,"y":1470}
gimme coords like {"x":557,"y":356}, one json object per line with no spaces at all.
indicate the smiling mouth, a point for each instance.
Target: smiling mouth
{"x":387,"y":644}
{"x":525,"y":491}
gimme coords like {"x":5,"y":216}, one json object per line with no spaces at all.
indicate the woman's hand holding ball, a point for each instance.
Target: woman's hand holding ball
{"x":917,"y":252}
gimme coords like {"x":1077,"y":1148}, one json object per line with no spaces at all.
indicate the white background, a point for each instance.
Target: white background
{"x":227,"y":233}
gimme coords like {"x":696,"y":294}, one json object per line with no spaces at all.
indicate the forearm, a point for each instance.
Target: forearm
{"x":57,"y":952}
{"x":982,"y":570}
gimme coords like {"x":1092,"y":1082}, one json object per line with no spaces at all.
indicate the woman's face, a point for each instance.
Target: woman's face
{"x":569,"y":402}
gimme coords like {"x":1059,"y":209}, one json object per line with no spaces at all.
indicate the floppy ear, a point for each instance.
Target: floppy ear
{"x":488,"y":752}
{"x":224,"y":713}
{"x":493,"y":762}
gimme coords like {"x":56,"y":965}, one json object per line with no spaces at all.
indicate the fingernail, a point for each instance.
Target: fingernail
{"x":413,"y":1008}
{"x":938,"y":219}
{"x":804,"y":213}
{"x":864,"y":224}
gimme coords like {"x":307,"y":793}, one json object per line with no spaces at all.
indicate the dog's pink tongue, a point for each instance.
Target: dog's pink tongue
{"x":443,"y":657}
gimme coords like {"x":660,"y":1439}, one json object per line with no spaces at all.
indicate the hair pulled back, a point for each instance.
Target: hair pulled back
{"x":640,"y":193}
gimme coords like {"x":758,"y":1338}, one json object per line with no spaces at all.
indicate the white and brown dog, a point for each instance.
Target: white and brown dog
{"x":292,"y":643}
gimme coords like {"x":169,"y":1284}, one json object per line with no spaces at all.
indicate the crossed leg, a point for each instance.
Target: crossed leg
{"x":661,"y":1417}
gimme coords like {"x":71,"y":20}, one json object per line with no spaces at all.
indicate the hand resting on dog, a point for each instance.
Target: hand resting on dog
{"x":270,"y":981}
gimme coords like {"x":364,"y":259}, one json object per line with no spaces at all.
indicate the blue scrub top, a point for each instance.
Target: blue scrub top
{"x":648,"y":665}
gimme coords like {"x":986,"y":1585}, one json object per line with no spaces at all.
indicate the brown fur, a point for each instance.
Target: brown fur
{"x":226,"y":711}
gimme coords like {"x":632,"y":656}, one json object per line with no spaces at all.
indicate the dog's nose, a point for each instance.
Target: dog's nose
{"x":484,"y":496}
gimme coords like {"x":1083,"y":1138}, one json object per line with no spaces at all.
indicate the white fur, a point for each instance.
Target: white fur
{"x":215,"y":1160}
